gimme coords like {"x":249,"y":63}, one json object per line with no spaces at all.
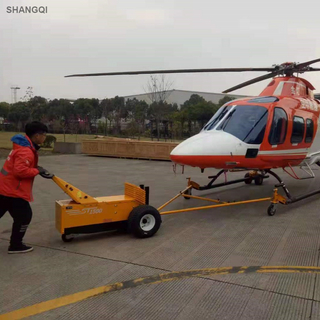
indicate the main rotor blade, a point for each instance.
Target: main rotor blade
{"x":247,"y":83}
{"x":170,"y":71}
{"x":312,"y":69}
{"x":305,"y":64}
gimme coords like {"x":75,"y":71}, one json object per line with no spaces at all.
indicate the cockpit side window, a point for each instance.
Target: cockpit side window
{"x":297,"y":130}
{"x":309,"y":133}
{"x":279,"y":125}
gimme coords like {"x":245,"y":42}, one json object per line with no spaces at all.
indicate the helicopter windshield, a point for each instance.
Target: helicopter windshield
{"x":217,"y":117}
{"x":247,"y":123}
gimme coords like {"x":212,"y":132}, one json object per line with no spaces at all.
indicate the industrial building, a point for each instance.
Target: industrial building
{"x":180,"y":96}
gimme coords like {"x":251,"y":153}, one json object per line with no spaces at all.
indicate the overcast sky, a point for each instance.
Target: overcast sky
{"x":85,"y":36}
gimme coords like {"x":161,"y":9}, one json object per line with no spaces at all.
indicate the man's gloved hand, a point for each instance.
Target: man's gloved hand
{"x":42,"y":170}
{"x":44,"y":173}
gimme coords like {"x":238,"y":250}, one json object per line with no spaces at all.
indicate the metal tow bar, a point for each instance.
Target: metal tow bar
{"x":276,"y":198}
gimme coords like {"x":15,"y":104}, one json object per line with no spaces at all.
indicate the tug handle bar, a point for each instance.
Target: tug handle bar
{"x":47,"y":175}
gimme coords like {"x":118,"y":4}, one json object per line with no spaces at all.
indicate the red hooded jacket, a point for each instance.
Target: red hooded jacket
{"x":19,"y":170}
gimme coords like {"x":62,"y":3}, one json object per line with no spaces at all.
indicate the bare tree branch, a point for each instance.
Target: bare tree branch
{"x":158,"y":88}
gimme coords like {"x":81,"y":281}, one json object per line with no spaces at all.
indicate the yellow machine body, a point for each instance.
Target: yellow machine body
{"x":83,"y":210}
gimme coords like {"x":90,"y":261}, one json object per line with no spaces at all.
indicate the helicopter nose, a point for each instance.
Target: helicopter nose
{"x":209,"y":149}
{"x":193,"y":145}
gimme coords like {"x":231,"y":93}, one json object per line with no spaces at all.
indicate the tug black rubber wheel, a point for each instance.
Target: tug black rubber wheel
{"x":258,"y":180}
{"x":248,"y":181}
{"x":67,"y":238}
{"x":144,"y":221}
{"x":272,"y":210}
{"x":189,"y":192}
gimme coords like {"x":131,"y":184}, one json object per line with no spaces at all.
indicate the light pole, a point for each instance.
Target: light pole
{"x":14,"y":94}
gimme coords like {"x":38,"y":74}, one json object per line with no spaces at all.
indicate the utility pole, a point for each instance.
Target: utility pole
{"x":14,"y":94}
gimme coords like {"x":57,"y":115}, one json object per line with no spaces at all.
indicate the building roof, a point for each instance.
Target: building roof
{"x":180,"y":96}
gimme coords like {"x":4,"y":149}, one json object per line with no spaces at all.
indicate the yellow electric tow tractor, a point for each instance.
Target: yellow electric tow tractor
{"x":85,"y":214}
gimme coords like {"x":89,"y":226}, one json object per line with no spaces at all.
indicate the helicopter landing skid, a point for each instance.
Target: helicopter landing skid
{"x":305,"y":167}
{"x":248,"y":178}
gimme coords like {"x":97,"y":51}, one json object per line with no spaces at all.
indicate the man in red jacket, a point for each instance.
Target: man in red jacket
{"x":16,"y":181}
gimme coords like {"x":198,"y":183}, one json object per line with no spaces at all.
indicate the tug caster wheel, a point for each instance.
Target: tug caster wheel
{"x":248,"y":181}
{"x":272,"y":210}
{"x":258,"y":180}
{"x":188,"y":192}
{"x":67,"y":237}
{"x":144,"y":221}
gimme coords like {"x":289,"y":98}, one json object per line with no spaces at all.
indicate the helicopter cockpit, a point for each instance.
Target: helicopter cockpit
{"x":246,"y":122}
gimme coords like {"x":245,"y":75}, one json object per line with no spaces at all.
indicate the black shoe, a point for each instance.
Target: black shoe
{"x":22,"y":248}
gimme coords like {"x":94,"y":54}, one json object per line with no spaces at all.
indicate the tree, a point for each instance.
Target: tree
{"x":119,"y":112}
{"x":197,"y":111}
{"x":158,"y":91}
{"x":60,"y":113}
{"x":190,"y":110}
{"x":4,"y":109}
{"x":179,"y":119}
{"x":19,"y":114}
{"x":138,"y":112}
{"x":85,"y":109}
{"x":204,"y":111}
{"x":38,"y":108}
{"x":224,"y":100}
{"x":107,"y":109}
{"x":96,"y":112}
{"x":158,"y":88}
{"x":160,"y":112}
{"x":28,"y":95}
{"x":193,"y":100}
{"x":58,"y":109}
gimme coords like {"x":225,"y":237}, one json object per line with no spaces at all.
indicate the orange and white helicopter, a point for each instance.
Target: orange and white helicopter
{"x":273,"y":130}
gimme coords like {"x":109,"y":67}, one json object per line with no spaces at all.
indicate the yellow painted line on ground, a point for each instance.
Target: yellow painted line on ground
{"x":156,"y":279}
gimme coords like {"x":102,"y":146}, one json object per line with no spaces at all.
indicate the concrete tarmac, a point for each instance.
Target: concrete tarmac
{"x":241,"y":235}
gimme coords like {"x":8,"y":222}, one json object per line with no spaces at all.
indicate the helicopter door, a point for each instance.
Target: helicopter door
{"x":297,"y":130}
{"x":309,"y":131}
{"x":283,"y":129}
{"x":279,"y":126}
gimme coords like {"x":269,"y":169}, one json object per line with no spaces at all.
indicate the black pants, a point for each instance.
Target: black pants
{"x":21,"y":213}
